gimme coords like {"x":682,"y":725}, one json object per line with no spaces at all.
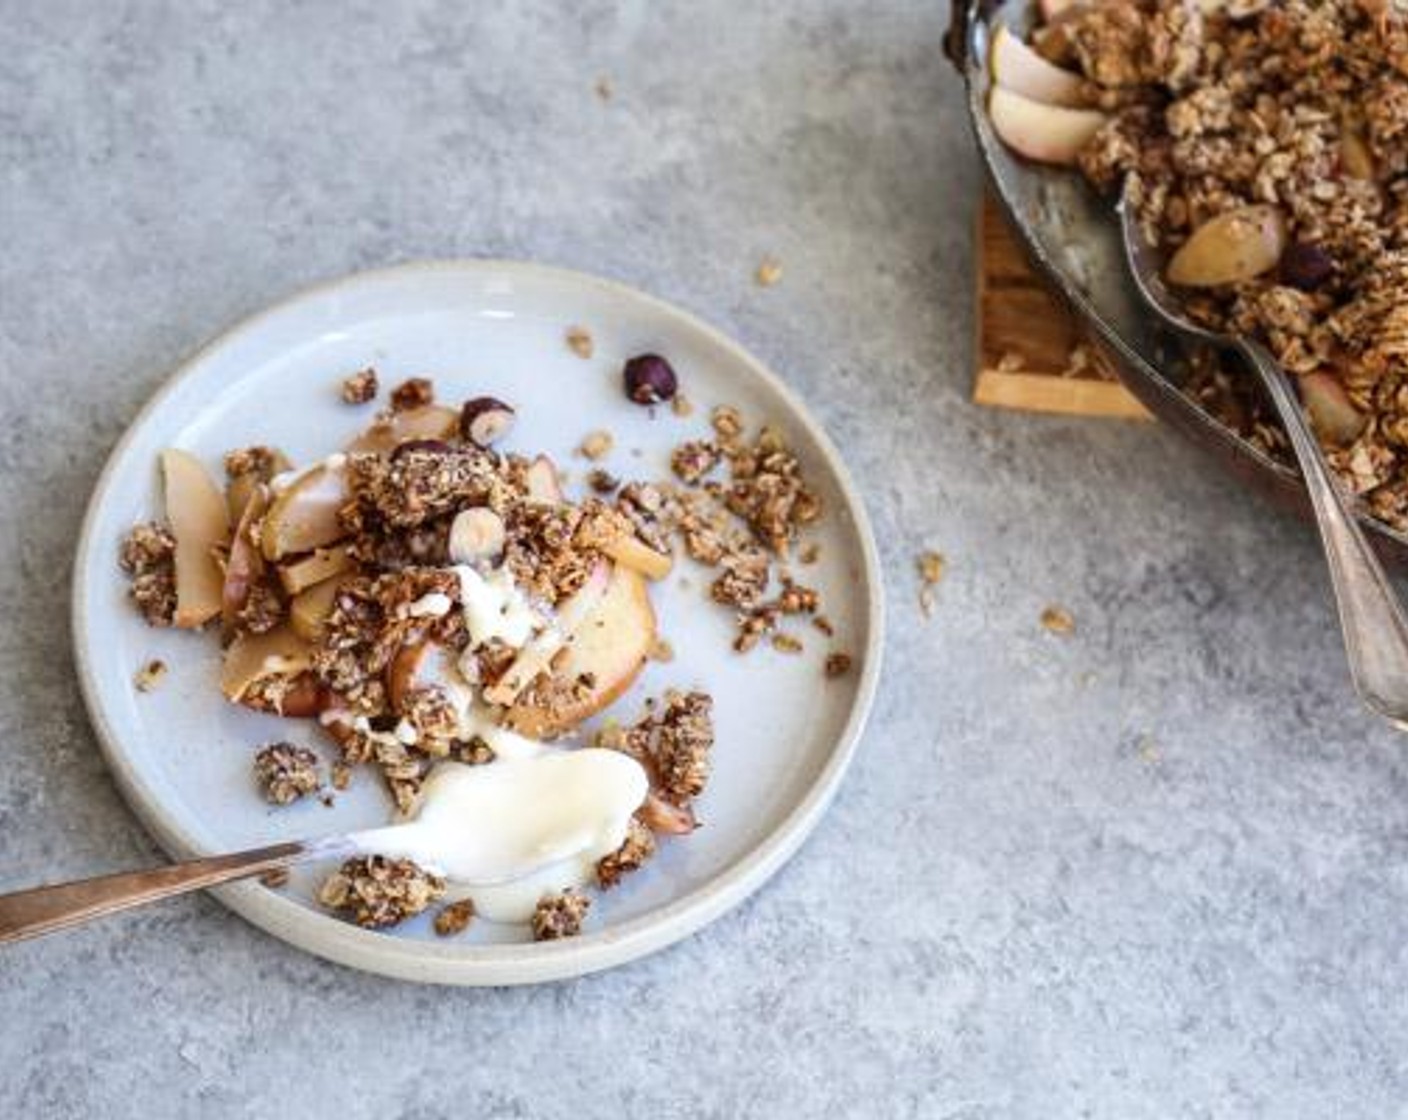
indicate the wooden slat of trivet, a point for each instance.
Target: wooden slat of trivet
{"x":1026,"y":338}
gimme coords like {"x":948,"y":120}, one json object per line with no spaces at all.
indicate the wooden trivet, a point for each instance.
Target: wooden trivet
{"x":1030,"y":352}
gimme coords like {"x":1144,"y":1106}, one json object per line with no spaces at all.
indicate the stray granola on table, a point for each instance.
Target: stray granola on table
{"x":560,"y":915}
{"x":1058,"y":620}
{"x":377,"y":892}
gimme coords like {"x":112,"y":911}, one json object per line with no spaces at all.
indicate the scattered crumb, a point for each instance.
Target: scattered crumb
{"x":838,"y":664}
{"x":341,"y":775}
{"x":769,"y":272}
{"x":1058,"y":620}
{"x":454,"y":918}
{"x":149,"y":675}
{"x":809,"y":554}
{"x":376,"y":892}
{"x":682,"y":406}
{"x":560,"y":915}
{"x":603,"y":481}
{"x":1010,"y":362}
{"x":360,"y":387}
{"x":927,"y":600}
{"x":786,"y":643}
{"x":286,"y":772}
{"x":825,"y":625}
{"x":415,"y":392}
{"x":596,"y":445}
{"x":931,"y":566}
{"x":1148,"y":749}
{"x":605,"y":88}
{"x":275,"y":879}
{"x":580,"y":342}
{"x":661,"y":651}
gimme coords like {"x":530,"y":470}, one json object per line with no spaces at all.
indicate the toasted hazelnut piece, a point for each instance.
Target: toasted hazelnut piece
{"x":485,"y":420}
{"x":476,"y":534}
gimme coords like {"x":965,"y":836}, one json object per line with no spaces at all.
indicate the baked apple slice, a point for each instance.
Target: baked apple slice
{"x":431,"y":421}
{"x":1045,"y":133}
{"x":1017,"y":67}
{"x":543,"y":482}
{"x":1332,"y":414}
{"x":1237,"y":245}
{"x":318,"y":566}
{"x":196,"y":512}
{"x":280,"y":655}
{"x":309,"y":609}
{"x":608,"y":649}
{"x":304,"y":515}
{"x":245,"y":567}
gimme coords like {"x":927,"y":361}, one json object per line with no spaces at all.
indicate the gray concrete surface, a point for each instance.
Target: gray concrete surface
{"x":1156,"y":869}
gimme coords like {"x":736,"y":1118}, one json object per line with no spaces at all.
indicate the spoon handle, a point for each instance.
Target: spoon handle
{"x":42,"y":910}
{"x":1375,"y":630}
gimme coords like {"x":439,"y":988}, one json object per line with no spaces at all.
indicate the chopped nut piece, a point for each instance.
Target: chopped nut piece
{"x":1058,"y":620}
{"x":603,"y":481}
{"x":786,"y":643}
{"x":415,"y":392}
{"x":638,"y":847}
{"x":693,"y":460}
{"x":769,"y":272}
{"x":286,"y":772}
{"x":596,"y":445}
{"x":149,"y":675}
{"x":931,"y":567}
{"x":454,"y":918}
{"x":580,"y":342}
{"x":560,"y":915}
{"x":838,"y":664}
{"x":360,"y":387}
{"x":377,"y":892}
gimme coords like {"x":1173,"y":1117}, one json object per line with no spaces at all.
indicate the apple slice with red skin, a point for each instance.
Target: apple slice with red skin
{"x":303,"y":516}
{"x":431,"y":421}
{"x":199,"y":520}
{"x":425,"y":664}
{"x":279,"y":652}
{"x":609,"y":646}
{"x":245,"y":567}
{"x":1045,"y":133}
{"x":1017,"y":67}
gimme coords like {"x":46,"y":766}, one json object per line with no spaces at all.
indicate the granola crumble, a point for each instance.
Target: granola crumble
{"x":414,"y":392}
{"x":286,"y":772}
{"x":560,"y":915}
{"x":596,"y":445}
{"x":148,"y":556}
{"x":455,"y":918}
{"x":377,"y":892}
{"x":360,"y":387}
{"x":632,"y":855}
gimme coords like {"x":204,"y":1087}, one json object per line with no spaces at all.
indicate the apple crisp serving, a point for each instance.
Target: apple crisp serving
{"x":1263,"y":147}
{"x":372,"y":592}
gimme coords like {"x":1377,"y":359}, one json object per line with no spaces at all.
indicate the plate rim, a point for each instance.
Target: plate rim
{"x":494,"y":965}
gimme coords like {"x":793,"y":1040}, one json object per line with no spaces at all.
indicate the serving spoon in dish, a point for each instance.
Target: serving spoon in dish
{"x":1371,"y":618}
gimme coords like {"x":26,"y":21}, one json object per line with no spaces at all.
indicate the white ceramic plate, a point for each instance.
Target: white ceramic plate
{"x":784,"y":733}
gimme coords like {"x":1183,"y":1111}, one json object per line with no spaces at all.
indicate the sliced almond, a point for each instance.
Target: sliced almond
{"x":196,"y":512}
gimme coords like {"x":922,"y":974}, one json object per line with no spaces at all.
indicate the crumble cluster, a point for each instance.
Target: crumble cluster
{"x":377,"y":892}
{"x":286,"y":772}
{"x":1302,"y":106}
{"x":560,"y":915}
{"x":148,"y":556}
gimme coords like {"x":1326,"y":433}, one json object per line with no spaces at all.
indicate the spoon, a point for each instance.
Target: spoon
{"x":1374,"y":627}
{"x":42,"y":910}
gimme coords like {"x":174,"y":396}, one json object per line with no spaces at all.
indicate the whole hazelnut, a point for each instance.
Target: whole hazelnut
{"x":649,"y":379}
{"x":485,"y":420}
{"x":476,"y":534}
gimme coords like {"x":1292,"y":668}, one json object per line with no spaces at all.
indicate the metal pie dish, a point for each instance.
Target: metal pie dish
{"x":1071,"y":236}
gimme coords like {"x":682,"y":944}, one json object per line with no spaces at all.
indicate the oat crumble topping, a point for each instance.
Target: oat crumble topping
{"x":414,"y":392}
{"x":377,"y":892}
{"x":148,"y":556}
{"x":455,"y":918}
{"x":560,"y":915}
{"x":632,"y":855}
{"x":286,"y":772}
